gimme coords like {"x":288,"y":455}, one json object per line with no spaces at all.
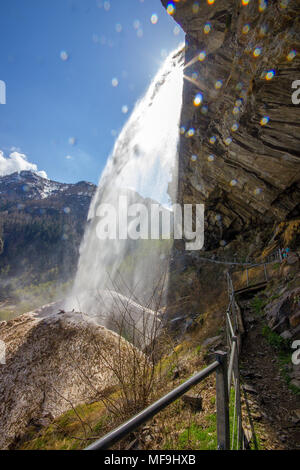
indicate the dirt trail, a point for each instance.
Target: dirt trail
{"x":273,"y":408}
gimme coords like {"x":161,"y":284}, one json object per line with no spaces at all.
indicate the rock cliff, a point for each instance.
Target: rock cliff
{"x":240,"y":131}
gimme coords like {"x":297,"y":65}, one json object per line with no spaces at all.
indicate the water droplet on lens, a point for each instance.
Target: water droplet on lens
{"x":198,"y":99}
{"x":154,"y":18}
{"x":64,"y":56}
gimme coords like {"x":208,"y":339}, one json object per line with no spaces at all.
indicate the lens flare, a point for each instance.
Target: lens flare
{"x":154,"y":18}
{"x":262,"y":5}
{"x":64,"y":56}
{"x":257,"y":52}
{"x":171,"y":8}
{"x":136,"y":24}
{"x":258,"y":191}
{"x":284,"y":4}
{"x":191,"y":132}
{"x":245,"y":2}
{"x":270,"y":74}
{"x":207,"y":28}
{"x":198,"y":99}
{"x":291,"y":55}
{"x":195,"y":7}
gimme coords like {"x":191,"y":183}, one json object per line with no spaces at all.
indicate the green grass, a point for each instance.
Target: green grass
{"x":203,"y":437}
{"x":66,"y":432}
{"x":258,"y":303}
{"x":277,"y":342}
{"x":196,"y":437}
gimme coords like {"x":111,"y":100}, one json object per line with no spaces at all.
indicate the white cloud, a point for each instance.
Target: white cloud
{"x":17,"y":162}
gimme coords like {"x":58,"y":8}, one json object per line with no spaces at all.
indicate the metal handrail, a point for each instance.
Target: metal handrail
{"x":233,"y":369}
{"x":222,"y":401}
{"x":270,"y":259}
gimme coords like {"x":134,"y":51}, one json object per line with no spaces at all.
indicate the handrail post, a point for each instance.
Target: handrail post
{"x":223,"y":428}
{"x":232,"y":361}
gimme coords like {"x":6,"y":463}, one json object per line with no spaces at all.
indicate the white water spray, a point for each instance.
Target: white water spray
{"x":142,"y":165}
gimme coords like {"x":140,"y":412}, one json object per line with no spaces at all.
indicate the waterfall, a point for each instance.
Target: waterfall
{"x":143,"y":168}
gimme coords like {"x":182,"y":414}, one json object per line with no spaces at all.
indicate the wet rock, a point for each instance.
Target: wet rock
{"x":286,"y":335}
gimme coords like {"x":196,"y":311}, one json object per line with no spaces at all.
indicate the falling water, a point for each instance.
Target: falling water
{"x":143,"y":167}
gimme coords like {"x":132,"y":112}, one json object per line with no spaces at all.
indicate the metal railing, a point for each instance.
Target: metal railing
{"x":226,"y":374}
{"x":219,"y":366}
{"x":251,"y":263}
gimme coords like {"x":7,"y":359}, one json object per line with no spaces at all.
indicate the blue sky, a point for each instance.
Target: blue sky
{"x":58,"y":59}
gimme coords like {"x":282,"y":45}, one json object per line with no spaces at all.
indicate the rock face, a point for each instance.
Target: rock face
{"x":239,"y":150}
{"x":48,"y":358}
{"x":283,"y":315}
{"x":41,"y":226}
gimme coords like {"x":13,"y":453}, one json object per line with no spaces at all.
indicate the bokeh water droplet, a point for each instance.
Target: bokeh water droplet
{"x":64,"y":56}
{"x":207,"y":28}
{"x":264,"y":121}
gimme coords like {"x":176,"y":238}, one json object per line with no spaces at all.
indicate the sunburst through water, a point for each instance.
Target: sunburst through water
{"x":142,"y":166}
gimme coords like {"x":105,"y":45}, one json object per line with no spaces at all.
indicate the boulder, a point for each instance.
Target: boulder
{"x":193,"y":401}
